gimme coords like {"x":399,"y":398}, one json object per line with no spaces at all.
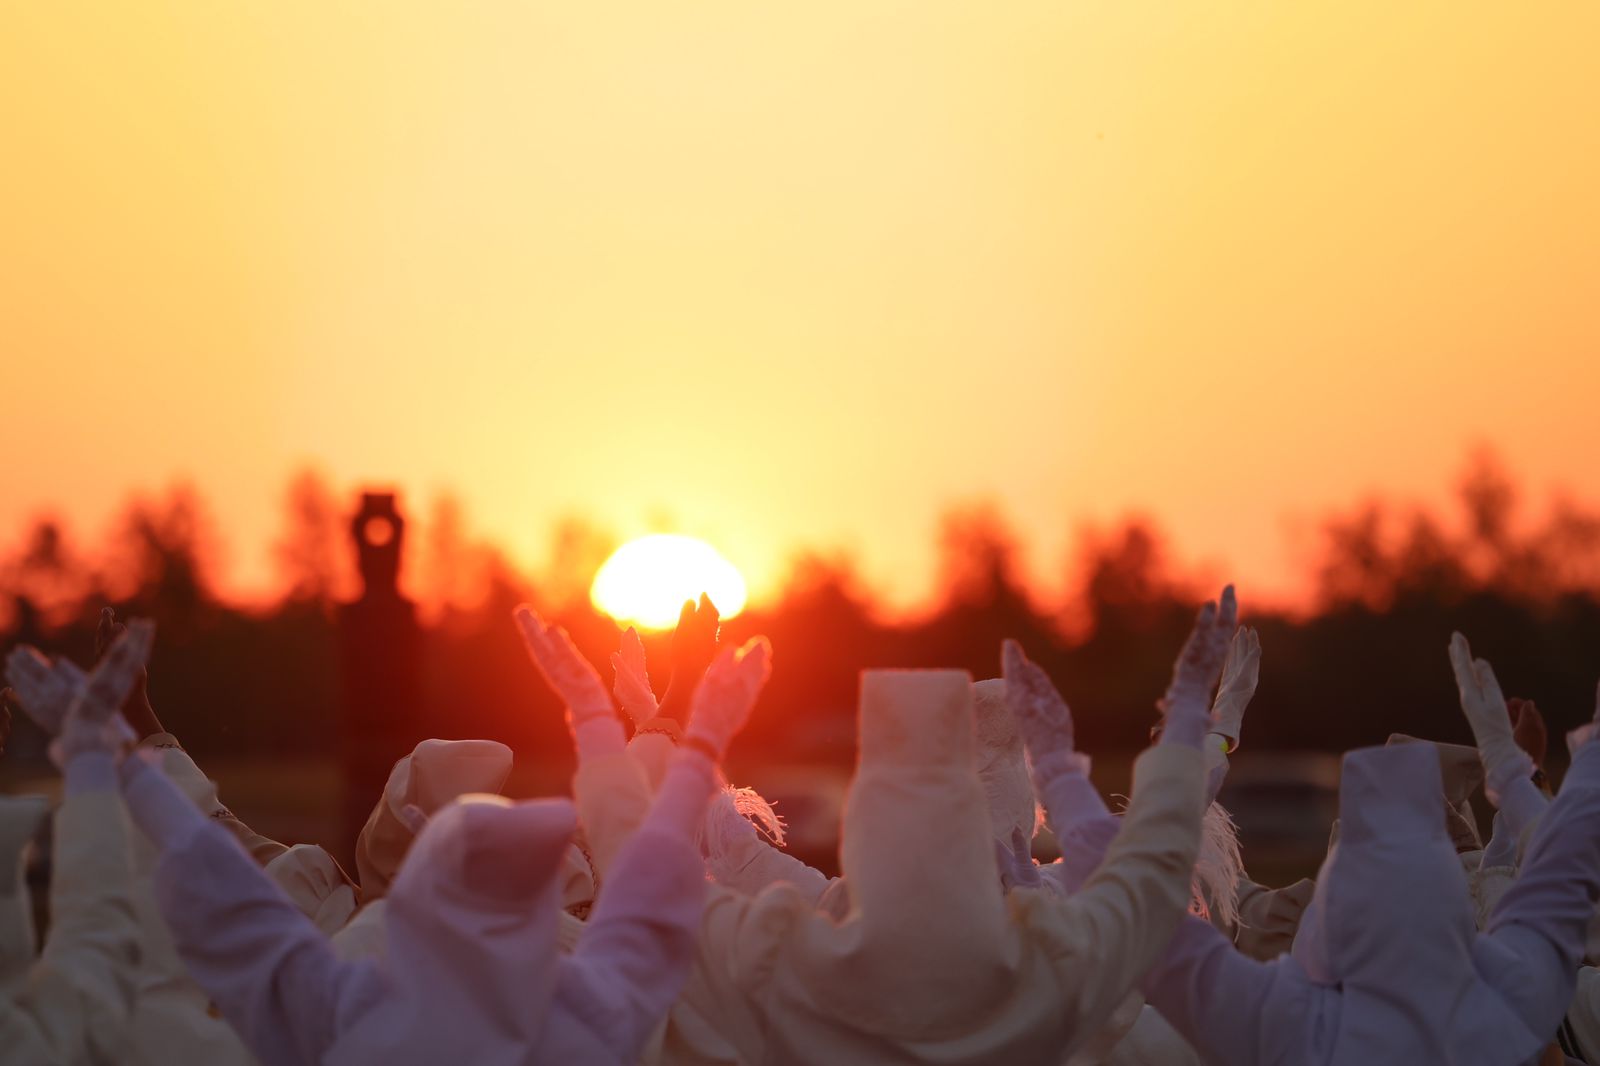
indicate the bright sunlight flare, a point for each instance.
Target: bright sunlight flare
{"x":646,"y":581}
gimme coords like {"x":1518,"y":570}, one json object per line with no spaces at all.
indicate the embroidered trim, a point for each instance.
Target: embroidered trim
{"x":594,"y":874}
{"x":666,"y":727}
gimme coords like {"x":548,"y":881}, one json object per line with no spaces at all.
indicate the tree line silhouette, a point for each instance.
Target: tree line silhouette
{"x":1364,"y":658}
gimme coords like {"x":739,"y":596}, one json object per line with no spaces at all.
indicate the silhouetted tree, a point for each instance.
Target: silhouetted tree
{"x":311,"y":554}
{"x":167,"y":545}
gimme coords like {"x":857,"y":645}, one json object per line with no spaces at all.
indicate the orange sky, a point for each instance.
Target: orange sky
{"x":799,"y":274}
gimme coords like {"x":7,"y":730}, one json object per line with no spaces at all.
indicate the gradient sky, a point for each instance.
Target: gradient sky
{"x":780,"y":275}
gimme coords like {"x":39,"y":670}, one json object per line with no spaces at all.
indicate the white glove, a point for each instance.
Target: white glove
{"x":1186,"y":706}
{"x":632,"y":684}
{"x":1016,"y":865}
{"x":45,"y":689}
{"x":564,"y":668}
{"x":1043,"y":717}
{"x":1240,"y":675}
{"x":726,"y":696}
{"x":92,"y":720}
{"x":1485,"y":707}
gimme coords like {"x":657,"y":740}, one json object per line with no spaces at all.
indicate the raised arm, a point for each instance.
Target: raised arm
{"x":694,"y":648}
{"x":1060,"y":774}
{"x":136,"y":708}
{"x":141,"y":716}
{"x":609,"y":788}
{"x":1186,"y":715}
{"x":639,"y":943}
{"x":20,"y":818}
{"x":84,"y":981}
{"x":737,"y":854}
{"x":49,"y":687}
{"x":1121,"y":920}
{"x":593,"y":721}
{"x":179,"y":765}
{"x":80,"y":993}
{"x":270,"y":971}
{"x":1534,"y":941}
{"x":1210,"y":993}
{"x":658,"y":727}
{"x":631,"y":686}
{"x":1240,"y":676}
{"x":1508,"y":770}
{"x":1073,"y":809}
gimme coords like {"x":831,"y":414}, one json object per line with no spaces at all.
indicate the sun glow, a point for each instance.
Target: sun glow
{"x":646,"y":581}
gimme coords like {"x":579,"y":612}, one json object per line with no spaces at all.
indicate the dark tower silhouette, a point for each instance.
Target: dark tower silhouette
{"x":380,"y":647}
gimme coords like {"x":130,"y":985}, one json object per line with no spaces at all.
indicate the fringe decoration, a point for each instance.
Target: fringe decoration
{"x":1215,"y":885}
{"x":734,"y":813}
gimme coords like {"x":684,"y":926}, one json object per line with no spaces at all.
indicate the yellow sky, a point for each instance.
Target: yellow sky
{"x":799,"y":274}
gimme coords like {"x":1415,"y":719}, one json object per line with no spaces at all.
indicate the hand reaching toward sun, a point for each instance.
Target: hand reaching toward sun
{"x":694,"y":646}
{"x":632,"y":684}
{"x":590,"y":716}
{"x":724,"y":699}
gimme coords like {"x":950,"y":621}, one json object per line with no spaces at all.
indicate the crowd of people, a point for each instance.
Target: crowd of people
{"x":655,"y":916}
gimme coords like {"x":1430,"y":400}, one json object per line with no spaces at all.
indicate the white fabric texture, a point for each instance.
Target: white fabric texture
{"x":173,"y":1019}
{"x":737,"y":855}
{"x":1388,"y":966}
{"x":470,"y":971}
{"x":20,"y":817}
{"x":315,"y":884}
{"x":434,"y":774}
{"x":76,"y":1004}
{"x":929,"y":962}
{"x":1002,"y":763}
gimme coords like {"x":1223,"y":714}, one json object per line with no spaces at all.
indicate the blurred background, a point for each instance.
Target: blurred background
{"x":941,"y":323}
{"x":384,"y":634}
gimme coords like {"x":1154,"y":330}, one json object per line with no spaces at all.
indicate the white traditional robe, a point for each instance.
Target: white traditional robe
{"x":930,"y":962}
{"x":73,"y":1004}
{"x":1388,"y":965}
{"x":174,"y":1020}
{"x":470,"y":972}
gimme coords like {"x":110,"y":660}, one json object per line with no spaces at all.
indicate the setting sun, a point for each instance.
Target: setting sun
{"x":646,"y":581}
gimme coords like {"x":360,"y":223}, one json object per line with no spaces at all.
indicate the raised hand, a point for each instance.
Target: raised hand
{"x":1016,"y":865}
{"x":1240,"y":675}
{"x":1186,"y":706}
{"x":727,"y":694}
{"x":1485,"y":707}
{"x":632,"y":683}
{"x":137,"y":710}
{"x":1060,"y":775}
{"x":1043,"y":717}
{"x":1528,"y":727}
{"x":94,"y":720}
{"x":44,"y":689}
{"x":564,"y":668}
{"x":694,"y":646}
{"x":80,"y":711}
